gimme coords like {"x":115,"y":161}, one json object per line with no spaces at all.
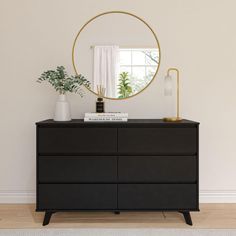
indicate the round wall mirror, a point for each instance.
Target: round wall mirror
{"x":118,"y":53}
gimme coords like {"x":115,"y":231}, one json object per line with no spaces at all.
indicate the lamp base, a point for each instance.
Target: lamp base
{"x":172,"y":119}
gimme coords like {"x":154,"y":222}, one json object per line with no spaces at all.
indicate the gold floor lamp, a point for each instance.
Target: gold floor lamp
{"x":168,"y":92}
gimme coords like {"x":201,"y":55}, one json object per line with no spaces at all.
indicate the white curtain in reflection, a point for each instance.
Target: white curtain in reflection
{"x":106,"y":66}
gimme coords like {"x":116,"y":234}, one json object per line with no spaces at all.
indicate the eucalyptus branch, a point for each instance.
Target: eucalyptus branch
{"x":63,"y":83}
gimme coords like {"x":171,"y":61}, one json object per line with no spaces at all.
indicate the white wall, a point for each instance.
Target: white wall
{"x":198,"y":37}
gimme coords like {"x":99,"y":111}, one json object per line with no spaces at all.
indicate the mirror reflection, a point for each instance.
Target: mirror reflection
{"x":123,"y":59}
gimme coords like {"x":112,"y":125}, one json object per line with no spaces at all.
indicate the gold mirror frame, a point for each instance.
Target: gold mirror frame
{"x":119,"y":12}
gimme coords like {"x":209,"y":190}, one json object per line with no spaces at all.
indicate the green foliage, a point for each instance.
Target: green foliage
{"x":124,"y":88}
{"x":60,"y":80}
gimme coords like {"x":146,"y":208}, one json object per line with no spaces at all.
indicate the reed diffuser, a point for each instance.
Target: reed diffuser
{"x":100,"y":103}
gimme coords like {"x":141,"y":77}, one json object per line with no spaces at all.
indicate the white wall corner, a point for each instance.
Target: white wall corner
{"x":206,"y":196}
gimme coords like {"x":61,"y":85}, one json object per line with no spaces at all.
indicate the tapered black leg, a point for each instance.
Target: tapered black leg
{"x":117,"y":212}
{"x":47,"y":217}
{"x":187,"y":217}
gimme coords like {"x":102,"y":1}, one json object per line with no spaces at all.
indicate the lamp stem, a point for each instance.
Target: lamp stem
{"x":177,"y":94}
{"x":177,"y":72}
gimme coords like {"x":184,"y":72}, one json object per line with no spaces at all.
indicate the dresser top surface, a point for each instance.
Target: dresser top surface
{"x":129,"y":123}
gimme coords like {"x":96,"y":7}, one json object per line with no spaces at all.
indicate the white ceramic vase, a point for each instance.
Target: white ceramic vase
{"x":62,"y":109}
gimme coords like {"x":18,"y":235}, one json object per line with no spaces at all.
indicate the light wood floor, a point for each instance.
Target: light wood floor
{"x":210,"y":216}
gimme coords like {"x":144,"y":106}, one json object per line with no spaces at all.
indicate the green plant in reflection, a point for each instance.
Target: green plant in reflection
{"x":124,"y":88}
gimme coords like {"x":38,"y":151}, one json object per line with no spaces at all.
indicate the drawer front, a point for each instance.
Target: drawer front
{"x":154,"y":169}
{"x":75,"y":169}
{"x":77,"y":140}
{"x":157,"y":196}
{"x":157,"y":140}
{"x":77,"y":196}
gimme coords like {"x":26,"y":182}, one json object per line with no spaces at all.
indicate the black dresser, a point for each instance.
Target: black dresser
{"x":140,"y":165}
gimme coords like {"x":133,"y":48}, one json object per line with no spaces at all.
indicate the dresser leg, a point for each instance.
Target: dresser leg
{"x":117,"y":212}
{"x":47,"y":217}
{"x":187,"y":217}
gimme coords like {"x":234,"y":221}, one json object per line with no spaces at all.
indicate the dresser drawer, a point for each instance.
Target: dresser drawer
{"x":75,"y":169}
{"x":154,"y":169}
{"x":77,"y":140}
{"x":77,"y":196}
{"x":157,"y":140}
{"x":157,"y":197}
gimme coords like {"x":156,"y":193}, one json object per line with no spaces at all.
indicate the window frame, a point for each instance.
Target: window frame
{"x":131,"y":50}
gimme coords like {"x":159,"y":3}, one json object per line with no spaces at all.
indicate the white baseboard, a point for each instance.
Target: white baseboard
{"x":206,"y":196}
{"x":17,"y":196}
{"x":217,"y":196}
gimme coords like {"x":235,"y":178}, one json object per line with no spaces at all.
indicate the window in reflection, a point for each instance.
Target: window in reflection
{"x":137,"y":68}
